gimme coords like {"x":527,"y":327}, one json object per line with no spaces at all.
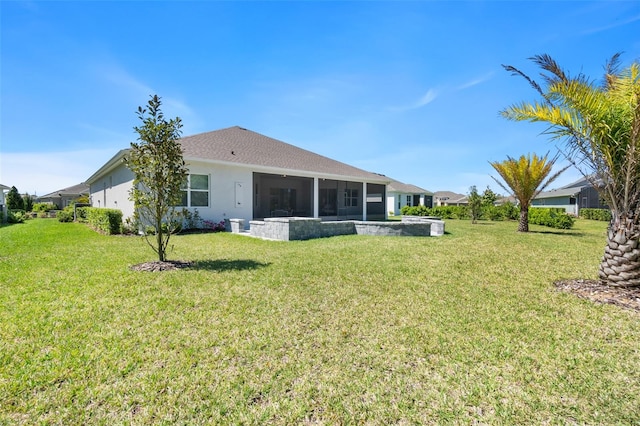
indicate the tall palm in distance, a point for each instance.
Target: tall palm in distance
{"x":525,"y":178}
{"x":598,"y":125}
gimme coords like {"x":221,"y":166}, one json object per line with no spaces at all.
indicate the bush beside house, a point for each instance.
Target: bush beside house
{"x":596,"y":214}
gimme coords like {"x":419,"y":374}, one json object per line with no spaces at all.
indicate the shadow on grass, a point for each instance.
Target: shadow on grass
{"x":566,"y":233}
{"x":221,"y":265}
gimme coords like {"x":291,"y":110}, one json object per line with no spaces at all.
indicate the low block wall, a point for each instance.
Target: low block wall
{"x":298,"y":228}
{"x":418,"y":229}
{"x":234,"y":225}
{"x":304,"y":228}
{"x":437,"y":225}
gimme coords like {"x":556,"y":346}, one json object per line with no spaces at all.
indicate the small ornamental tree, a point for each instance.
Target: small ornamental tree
{"x":489,"y":197}
{"x":489,"y":210}
{"x":475,"y":204}
{"x":526,"y":177}
{"x":28,"y":202}
{"x":14,"y":200}
{"x":159,"y":172}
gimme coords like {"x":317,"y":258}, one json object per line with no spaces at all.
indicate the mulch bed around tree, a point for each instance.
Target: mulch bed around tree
{"x":169,"y":265}
{"x":596,"y":291}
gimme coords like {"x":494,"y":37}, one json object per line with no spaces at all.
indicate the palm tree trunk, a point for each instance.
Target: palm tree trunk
{"x":620,"y":266}
{"x":523,"y":225}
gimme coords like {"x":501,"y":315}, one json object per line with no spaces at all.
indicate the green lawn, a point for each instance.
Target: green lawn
{"x":464,"y":329}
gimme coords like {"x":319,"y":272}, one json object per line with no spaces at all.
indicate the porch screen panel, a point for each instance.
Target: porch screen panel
{"x":376,"y":205}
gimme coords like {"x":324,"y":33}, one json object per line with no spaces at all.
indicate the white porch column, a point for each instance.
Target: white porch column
{"x":316,"y":198}
{"x":364,"y":200}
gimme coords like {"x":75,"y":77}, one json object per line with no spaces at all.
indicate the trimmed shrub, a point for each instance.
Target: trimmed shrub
{"x":552,"y":217}
{"x":65,"y":215}
{"x":104,"y":220}
{"x":43,"y":207}
{"x":510,"y":211}
{"x":16,"y":216}
{"x":81,"y":214}
{"x":596,"y":214}
{"x":415,"y":211}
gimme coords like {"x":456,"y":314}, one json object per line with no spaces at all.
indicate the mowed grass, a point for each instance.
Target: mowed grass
{"x":462,"y":329}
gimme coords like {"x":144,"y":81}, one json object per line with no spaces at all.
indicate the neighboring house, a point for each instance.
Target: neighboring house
{"x":448,"y":198}
{"x":240,"y":174}
{"x":63,"y":197}
{"x":573,"y":197}
{"x":504,"y":200}
{"x":401,"y":194}
{"x":3,"y":204}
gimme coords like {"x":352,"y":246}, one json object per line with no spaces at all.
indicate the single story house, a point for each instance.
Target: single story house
{"x":63,"y":197}
{"x":3,"y":203}
{"x":572,"y":197}
{"x":448,"y":198}
{"x":235,"y":173}
{"x":402,"y":194}
{"x":3,"y":189}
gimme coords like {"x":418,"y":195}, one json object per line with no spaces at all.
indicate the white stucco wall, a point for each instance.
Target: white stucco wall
{"x":392,"y":201}
{"x":225,"y":201}
{"x":230,"y":194}
{"x":231,"y":190}
{"x":112,"y":191}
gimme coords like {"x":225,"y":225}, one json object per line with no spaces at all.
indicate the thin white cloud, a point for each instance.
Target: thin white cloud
{"x":476,"y":81}
{"x":611,"y":26}
{"x":426,"y":99}
{"x":118,"y":76}
{"x":139,"y":92}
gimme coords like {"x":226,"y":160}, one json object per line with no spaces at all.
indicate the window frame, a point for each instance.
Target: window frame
{"x":188,"y":190}
{"x":351,"y":197}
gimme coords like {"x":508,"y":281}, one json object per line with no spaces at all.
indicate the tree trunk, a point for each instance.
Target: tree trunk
{"x":620,"y":266}
{"x":523,"y":225}
{"x":159,"y":241}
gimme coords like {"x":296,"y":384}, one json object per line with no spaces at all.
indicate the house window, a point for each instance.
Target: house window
{"x":408,"y":200}
{"x":195,"y":191}
{"x":350,"y":197}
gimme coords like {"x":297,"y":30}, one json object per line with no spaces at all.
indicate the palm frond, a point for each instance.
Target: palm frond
{"x":547,"y":63}
{"x":515,"y":71}
{"x":611,"y":70}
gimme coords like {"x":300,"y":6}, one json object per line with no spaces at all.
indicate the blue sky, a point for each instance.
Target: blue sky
{"x":408,"y":89}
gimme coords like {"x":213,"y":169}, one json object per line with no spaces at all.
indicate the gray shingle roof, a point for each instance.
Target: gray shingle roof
{"x":79,"y":189}
{"x":562,"y":192}
{"x":449,"y":196}
{"x":405,"y":188}
{"x":241,"y":146}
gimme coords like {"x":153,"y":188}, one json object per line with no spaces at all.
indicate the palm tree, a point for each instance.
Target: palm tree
{"x":599,"y":125}
{"x":525,"y":178}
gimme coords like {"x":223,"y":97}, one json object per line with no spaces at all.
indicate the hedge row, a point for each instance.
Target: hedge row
{"x":596,"y":214}
{"x":507,"y":211}
{"x":552,"y":217}
{"x":108,"y":221}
